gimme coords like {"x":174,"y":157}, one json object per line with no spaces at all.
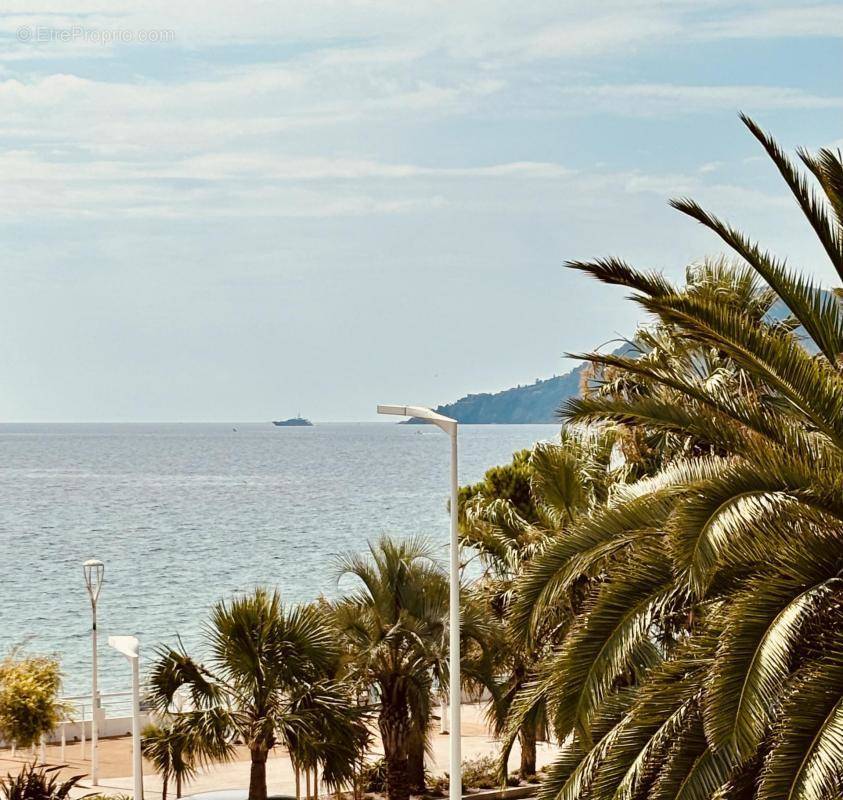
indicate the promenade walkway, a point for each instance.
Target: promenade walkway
{"x":116,"y":766}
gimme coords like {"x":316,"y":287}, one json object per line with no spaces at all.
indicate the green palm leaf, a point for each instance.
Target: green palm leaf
{"x":804,"y":762}
{"x":827,"y":167}
{"x":754,"y":657}
{"x":813,"y":208}
{"x":811,"y":388}
{"x":603,"y":641}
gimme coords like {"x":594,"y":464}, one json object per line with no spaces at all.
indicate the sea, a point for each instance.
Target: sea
{"x":184,"y":515}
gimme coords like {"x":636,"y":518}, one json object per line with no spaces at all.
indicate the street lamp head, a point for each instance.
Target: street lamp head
{"x":93,"y":571}
{"x":127,"y":645}
{"x":421,"y":412}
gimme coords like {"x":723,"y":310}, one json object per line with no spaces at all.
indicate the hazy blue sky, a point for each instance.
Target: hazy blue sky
{"x":319,"y":206}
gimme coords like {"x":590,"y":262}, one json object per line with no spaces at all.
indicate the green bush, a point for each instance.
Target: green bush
{"x":374,"y":776}
{"x":36,"y":783}
{"x":437,"y":786}
{"x":29,"y":705}
{"x":480,"y":772}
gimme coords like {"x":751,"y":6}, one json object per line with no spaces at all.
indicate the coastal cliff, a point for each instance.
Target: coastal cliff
{"x":535,"y":403}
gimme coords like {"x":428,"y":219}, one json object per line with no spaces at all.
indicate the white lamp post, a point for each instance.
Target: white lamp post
{"x":93,"y":571}
{"x":128,"y":646}
{"x":450,"y":427}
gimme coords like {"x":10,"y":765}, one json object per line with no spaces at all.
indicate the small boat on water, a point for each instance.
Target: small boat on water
{"x":293,"y":422}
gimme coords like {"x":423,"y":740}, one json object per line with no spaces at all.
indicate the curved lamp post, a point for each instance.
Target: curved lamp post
{"x":129,"y":647}
{"x":93,"y":571}
{"x":450,"y":427}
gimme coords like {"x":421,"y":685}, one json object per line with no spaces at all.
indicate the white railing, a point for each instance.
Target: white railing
{"x":114,"y":719}
{"x":114,"y":707}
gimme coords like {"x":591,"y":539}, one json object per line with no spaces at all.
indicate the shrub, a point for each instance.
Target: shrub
{"x":374,"y":776}
{"x":29,"y":706}
{"x":37,"y":783}
{"x":480,"y":772}
{"x":437,"y":786}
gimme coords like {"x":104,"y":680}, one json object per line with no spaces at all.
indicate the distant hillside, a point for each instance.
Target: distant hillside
{"x":535,"y":403}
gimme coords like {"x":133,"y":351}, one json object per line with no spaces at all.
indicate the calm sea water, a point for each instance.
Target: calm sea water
{"x":183,"y":515}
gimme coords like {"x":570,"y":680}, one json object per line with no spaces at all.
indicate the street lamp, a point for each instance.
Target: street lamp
{"x":450,"y":427}
{"x":93,"y":571}
{"x":129,"y":647}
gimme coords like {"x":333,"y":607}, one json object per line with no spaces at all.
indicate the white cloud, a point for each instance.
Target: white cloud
{"x":274,"y":167}
{"x":483,"y":32}
{"x":239,"y":104}
{"x":824,"y":20}
{"x":664,"y":98}
{"x":265,"y":184}
{"x":576,"y":38}
{"x":245,"y":184}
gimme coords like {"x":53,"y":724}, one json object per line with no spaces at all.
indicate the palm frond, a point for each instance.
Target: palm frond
{"x":617,"y":272}
{"x":804,"y":762}
{"x":763,"y":626}
{"x":599,"y":648}
{"x":818,"y":311}
{"x":813,"y":208}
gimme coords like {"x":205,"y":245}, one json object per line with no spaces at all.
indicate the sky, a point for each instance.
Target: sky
{"x":220,"y":213}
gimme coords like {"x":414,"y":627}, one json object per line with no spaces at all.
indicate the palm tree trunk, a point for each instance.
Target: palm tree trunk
{"x":395,"y":731}
{"x":397,"y":786}
{"x":527,"y":739}
{"x":307,"y":783}
{"x":298,"y":780}
{"x":178,"y":785}
{"x":257,"y":775}
{"x":164,"y":786}
{"x":415,"y":761}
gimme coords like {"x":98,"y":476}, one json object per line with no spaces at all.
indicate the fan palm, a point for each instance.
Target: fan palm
{"x":394,"y":637}
{"x":707,"y":660}
{"x":334,"y":737}
{"x":167,"y":748}
{"x":265,"y":682}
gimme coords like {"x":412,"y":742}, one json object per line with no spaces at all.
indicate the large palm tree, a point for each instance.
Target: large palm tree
{"x":264,"y":683}
{"x":394,"y":636}
{"x":708,"y":661}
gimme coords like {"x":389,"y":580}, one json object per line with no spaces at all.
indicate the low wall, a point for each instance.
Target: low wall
{"x":109,"y":726}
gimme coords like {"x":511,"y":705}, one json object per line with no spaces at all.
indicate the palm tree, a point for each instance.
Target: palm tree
{"x":334,"y":738}
{"x":263,"y":658}
{"x":393,"y":633}
{"x":167,"y":748}
{"x":707,"y":661}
